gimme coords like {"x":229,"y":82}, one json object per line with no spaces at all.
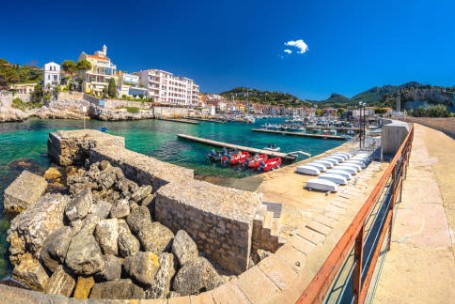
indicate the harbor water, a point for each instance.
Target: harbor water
{"x":24,"y":146}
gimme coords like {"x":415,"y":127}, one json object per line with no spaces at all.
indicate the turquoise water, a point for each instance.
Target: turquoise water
{"x":28,"y":141}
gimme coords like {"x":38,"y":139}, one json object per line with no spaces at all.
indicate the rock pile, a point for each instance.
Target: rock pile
{"x":102,"y":242}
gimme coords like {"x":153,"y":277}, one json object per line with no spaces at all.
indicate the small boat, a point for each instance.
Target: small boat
{"x":355,"y":166}
{"x":103,"y":129}
{"x":334,"y":161}
{"x":337,"y":179}
{"x":321,"y":185}
{"x":270,"y":164}
{"x":216,"y":156}
{"x":257,"y":160}
{"x":272,"y":147}
{"x":320,"y":166}
{"x":328,"y":164}
{"x":345,"y":174}
{"x":340,"y":156}
{"x":348,"y":155}
{"x":351,"y":170}
{"x":357,"y":162}
{"x":239,"y":158}
{"x":307,"y":170}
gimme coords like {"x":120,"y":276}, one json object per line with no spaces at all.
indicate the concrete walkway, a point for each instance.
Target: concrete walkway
{"x":420,"y":267}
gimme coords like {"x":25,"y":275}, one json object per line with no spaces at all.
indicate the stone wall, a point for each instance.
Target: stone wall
{"x":170,"y":112}
{"x":393,"y":134}
{"x":219,"y":219}
{"x":140,"y":168}
{"x":70,"y":147}
{"x":63,"y":96}
{"x":446,"y":125}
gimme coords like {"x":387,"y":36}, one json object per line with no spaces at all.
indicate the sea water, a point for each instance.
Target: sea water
{"x":24,"y":144}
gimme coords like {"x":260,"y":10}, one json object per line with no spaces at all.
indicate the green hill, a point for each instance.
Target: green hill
{"x":264,"y":97}
{"x":15,"y":73}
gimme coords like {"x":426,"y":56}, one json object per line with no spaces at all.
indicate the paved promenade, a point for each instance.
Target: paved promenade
{"x":420,"y":267}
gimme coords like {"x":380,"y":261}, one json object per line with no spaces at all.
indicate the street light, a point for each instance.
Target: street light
{"x":360,"y":125}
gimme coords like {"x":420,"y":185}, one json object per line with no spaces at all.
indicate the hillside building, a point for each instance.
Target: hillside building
{"x":129,"y":85}
{"x":51,"y":75}
{"x":97,"y":78}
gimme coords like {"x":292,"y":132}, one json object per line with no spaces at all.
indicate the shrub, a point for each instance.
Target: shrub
{"x":18,"y":104}
{"x":132,"y":110}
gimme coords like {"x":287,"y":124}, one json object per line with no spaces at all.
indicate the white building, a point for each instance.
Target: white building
{"x":129,"y":85}
{"x":51,"y":75}
{"x":167,"y":88}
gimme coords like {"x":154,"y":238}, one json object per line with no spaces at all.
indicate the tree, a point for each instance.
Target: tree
{"x":83,"y":65}
{"x":69,"y":66}
{"x":112,"y":88}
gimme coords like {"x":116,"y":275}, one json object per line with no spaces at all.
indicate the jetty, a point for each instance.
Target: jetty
{"x":356,"y":130}
{"x":301,"y":134}
{"x":285,"y":156}
{"x":179,"y":120}
{"x":204,"y":119}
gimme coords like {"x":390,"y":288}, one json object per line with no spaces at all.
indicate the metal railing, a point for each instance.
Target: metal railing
{"x":346,"y":274}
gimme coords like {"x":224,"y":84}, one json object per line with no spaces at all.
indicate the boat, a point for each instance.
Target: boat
{"x":216,"y":156}
{"x":320,"y":166}
{"x":355,"y":166}
{"x":270,"y":164}
{"x":351,"y":170}
{"x":326,"y":163}
{"x":272,"y":147}
{"x":345,"y":174}
{"x":239,"y":158}
{"x":348,"y":155}
{"x":256,"y":161}
{"x":334,"y":161}
{"x":103,"y":129}
{"x":357,"y":162}
{"x":342,"y":157}
{"x":307,"y":170}
{"x":337,"y":179}
{"x":321,"y":185}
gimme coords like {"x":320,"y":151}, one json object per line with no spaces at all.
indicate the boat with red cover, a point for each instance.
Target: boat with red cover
{"x":270,"y":164}
{"x":239,"y":158}
{"x":257,"y":160}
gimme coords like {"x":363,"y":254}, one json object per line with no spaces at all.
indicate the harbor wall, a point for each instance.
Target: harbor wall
{"x":446,"y":125}
{"x":171,"y":112}
{"x":393,"y":134}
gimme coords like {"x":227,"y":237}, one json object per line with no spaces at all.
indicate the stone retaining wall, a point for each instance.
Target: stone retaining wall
{"x":219,"y":219}
{"x":170,"y":112}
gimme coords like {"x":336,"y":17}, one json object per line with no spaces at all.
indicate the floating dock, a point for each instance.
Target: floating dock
{"x":179,"y":120}
{"x":215,"y":143}
{"x":301,"y":134}
{"x":205,"y":119}
{"x":333,"y":128}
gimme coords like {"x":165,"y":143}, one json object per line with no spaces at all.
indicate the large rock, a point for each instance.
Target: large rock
{"x":162,"y":282}
{"x":52,"y":174}
{"x":55,"y":248}
{"x":106,"y":233}
{"x":102,"y":209}
{"x":142,"y":267}
{"x":119,"y":289}
{"x":83,"y":287}
{"x":89,"y":224}
{"x":196,"y":276}
{"x":141,"y":193}
{"x":120,"y":209}
{"x":79,"y":206}
{"x":31,"y":228}
{"x":23,"y":192}
{"x":155,"y":237}
{"x":112,"y":269}
{"x":61,"y":283}
{"x":184,"y":248}
{"x":138,"y":218}
{"x":128,"y":244}
{"x":31,"y":273}
{"x":84,"y":255}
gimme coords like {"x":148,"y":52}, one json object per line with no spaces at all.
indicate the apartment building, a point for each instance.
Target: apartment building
{"x":167,"y":88}
{"x":129,"y":85}
{"x":51,"y":75}
{"x":97,"y":78}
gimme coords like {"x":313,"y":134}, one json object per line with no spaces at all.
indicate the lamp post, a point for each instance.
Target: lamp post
{"x":360,"y":125}
{"x":364,"y":124}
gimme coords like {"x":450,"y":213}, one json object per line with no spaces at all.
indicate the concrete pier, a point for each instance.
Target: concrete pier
{"x":238,"y":147}
{"x":300,"y":134}
{"x":179,"y":120}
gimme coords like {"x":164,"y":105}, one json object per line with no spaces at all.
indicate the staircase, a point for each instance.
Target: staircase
{"x":267,"y":228}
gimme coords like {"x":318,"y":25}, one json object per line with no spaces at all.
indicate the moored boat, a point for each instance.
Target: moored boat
{"x":256,"y":161}
{"x":239,"y":158}
{"x":321,"y":185}
{"x":307,"y":170}
{"x":272,"y":147}
{"x":270,"y":164}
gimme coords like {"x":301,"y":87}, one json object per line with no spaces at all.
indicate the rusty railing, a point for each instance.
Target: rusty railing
{"x":346,"y":274}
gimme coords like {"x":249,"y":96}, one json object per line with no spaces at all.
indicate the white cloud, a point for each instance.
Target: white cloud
{"x":299,"y":44}
{"x":288,"y":51}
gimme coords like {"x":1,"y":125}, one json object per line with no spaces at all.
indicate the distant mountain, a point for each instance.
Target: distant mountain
{"x":264,"y":97}
{"x":387,"y":95}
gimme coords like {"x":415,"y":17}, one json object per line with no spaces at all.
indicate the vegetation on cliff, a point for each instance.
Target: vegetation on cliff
{"x":263,"y":97}
{"x":15,"y":73}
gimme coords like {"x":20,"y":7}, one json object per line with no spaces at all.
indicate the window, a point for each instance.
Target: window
{"x":48,"y":77}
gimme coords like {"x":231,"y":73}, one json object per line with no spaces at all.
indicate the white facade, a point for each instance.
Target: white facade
{"x":167,"y":88}
{"x":51,"y":75}
{"x":128,"y":85}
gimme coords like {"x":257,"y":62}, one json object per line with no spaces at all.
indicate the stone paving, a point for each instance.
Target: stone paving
{"x":420,"y":267}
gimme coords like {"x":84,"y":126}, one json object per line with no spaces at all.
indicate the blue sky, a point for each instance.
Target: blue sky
{"x":352,"y":45}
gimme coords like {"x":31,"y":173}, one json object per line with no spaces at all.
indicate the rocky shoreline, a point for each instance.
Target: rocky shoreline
{"x":93,"y":235}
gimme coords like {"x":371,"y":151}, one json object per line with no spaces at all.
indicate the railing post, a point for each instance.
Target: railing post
{"x":358,"y":261}
{"x":392,"y":204}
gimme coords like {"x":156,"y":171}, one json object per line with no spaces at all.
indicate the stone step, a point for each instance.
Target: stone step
{"x":276,"y":227}
{"x":268,"y":221}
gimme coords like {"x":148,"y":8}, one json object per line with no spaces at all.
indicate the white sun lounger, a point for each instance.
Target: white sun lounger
{"x":307,"y":170}
{"x":321,"y":185}
{"x":337,"y":179}
{"x":351,"y":170}
{"x":345,"y":174}
{"x":320,"y":166}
